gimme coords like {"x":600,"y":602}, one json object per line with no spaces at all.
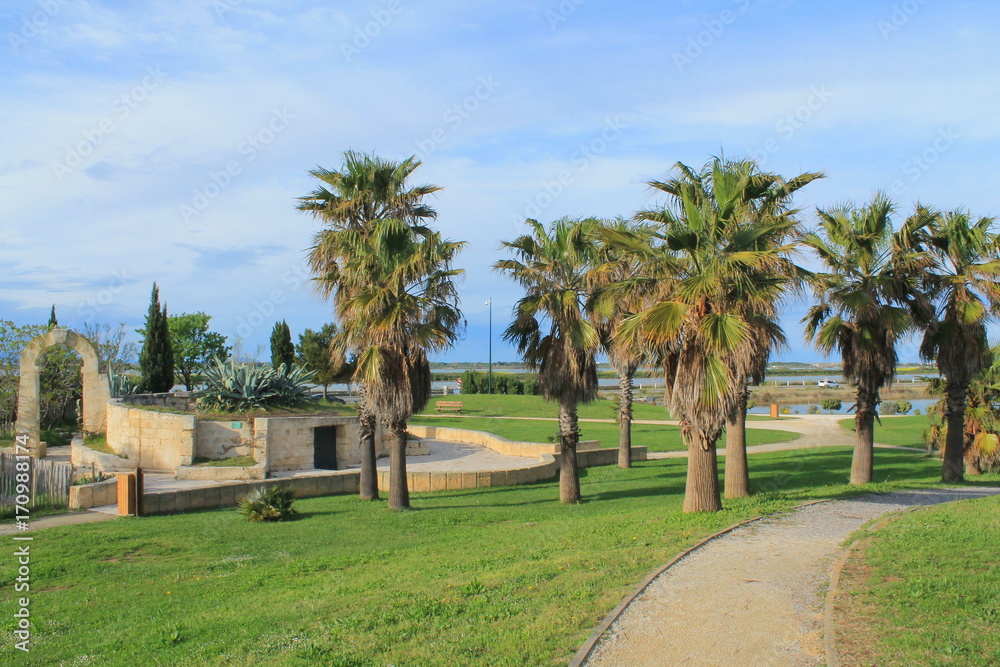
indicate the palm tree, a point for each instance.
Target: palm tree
{"x":964,"y":285}
{"x":715,"y":265}
{"x":366,"y":189}
{"x":865,"y":301}
{"x":400,"y":303}
{"x":616,"y":266}
{"x":981,"y":428}
{"x":552,"y":329}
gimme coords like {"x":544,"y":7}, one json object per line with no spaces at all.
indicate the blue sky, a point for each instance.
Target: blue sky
{"x":168,"y":141}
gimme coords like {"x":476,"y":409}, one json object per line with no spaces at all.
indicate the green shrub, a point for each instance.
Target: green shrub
{"x":531,"y":386}
{"x":273,"y":503}
{"x":888,"y":408}
{"x":903,"y":406}
{"x":813,"y":410}
{"x":831,"y":404}
{"x":470,"y":382}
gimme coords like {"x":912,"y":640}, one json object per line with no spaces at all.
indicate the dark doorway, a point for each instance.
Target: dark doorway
{"x":325,"y":447}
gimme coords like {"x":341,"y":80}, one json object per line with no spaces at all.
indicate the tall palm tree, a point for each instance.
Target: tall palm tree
{"x":616,"y":266}
{"x":400,"y":304}
{"x":981,"y":428}
{"x":714,"y":267}
{"x":365,"y":189}
{"x":865,"y":300}
{"x":965,"y":285}
{"x":552,"y":329}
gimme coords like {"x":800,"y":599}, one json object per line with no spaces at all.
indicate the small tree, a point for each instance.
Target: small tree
{"x":156,"y":361}
{"x":282,"y":350}
{"x":317,"y":354}
{"x":53,"y":320}
{"x":470,"y":382}
{"x":831,"y":404}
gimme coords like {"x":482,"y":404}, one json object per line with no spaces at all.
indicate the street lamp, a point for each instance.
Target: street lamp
{"x":489,"y":380}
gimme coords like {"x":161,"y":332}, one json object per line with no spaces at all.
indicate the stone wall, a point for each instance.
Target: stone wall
{"x":156,"y":441}
{"x":84,"y":457}
{"x":179,"y":400}
{"x":289,"y":440}
{"x":98,"y":494}
{"x":222,"y":440}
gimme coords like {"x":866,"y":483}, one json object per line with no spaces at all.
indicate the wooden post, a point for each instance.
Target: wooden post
{"x":774,"y":410}
{"x":139,"y":490}
{"x":126,"y":494}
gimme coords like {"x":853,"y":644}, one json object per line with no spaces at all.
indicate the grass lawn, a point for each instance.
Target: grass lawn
{"x":657,"y":438}
{"x":502,"y":576}
{"x":925,"y":589}
{"x":502,"y":405}
{"x":902,"y":431}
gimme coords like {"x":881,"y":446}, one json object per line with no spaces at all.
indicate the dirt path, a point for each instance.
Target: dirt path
{"x":752,"y":596}
{"x":53,"y":520}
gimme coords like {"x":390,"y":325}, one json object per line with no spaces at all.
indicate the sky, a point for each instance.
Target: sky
{"x":169,"y":141}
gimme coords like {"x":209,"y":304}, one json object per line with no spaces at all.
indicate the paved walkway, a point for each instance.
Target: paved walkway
{"x":752,"y":596}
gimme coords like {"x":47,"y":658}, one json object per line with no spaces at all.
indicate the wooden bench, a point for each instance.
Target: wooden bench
{"x":448,"y":406}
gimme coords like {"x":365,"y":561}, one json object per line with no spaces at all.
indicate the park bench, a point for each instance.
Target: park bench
{"x":448,"y":406}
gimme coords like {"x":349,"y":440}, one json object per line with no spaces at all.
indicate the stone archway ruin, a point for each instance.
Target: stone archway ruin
{"x":96,"y":391}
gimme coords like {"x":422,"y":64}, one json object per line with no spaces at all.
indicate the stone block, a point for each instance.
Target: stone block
{"x":469,"y":480}
{"x":454,"y":481}
{"x":420,"y":482}
{"x":168,"y":502}
{"x":352,"y":483}
{"x":484,"y":479}
{"x":151,"y":504}
{"x":182,"y":501}
{"x":439,"y":481}
{"x":213,"y":497}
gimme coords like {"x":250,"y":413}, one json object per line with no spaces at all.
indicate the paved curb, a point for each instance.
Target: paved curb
{"x":588,"y":646}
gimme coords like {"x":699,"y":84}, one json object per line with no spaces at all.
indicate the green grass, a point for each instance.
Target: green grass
{"x":497,"y":405}
{"x":500,"y":576}
{"x":238,"y":461}
{"x":657,"y":438}
{"x":902,"y":431}
{"x":98,"y":442}
{"x":929,"y":593}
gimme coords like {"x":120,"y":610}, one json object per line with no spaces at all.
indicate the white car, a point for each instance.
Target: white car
{"x":828,"y":383}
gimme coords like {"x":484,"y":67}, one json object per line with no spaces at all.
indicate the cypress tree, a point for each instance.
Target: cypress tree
{"x":156,"y":361}
{"x":282,"y":349}
{"x":53,"y":322}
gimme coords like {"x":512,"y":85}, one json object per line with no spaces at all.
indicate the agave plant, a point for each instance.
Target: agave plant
{"x":273,"y":503}
{"x":234,"y":387}
{"x":121,"y":385}
{"x":290,"y":384}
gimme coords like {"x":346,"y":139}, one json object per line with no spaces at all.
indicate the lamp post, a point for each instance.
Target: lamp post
{"x":489,"y":378}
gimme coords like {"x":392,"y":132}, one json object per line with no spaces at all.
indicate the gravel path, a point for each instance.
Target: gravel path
{"x":753,"y":596}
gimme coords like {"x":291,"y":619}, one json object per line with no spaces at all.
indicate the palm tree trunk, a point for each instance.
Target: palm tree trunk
{"x":569,"y":437}
{"x":862,"y":470}
{"x":625,"y":421}
{"x":701,"y":493}
{"x":953,"y":469}
{"x":366,"y":435}
{"x":737,"y":469}
{"x":399,"y":492}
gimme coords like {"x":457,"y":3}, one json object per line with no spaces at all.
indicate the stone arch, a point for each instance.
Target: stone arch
{"x":96,"y":390}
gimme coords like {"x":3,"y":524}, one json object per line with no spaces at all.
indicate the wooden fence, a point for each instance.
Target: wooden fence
{"x":50,"y":481}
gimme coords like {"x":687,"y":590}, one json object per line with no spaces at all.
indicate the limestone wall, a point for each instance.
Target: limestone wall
{"x":85,"y":496}
{"x":289,"y":440}
{"x":222,"y":440}
{"x":156,"y":441}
